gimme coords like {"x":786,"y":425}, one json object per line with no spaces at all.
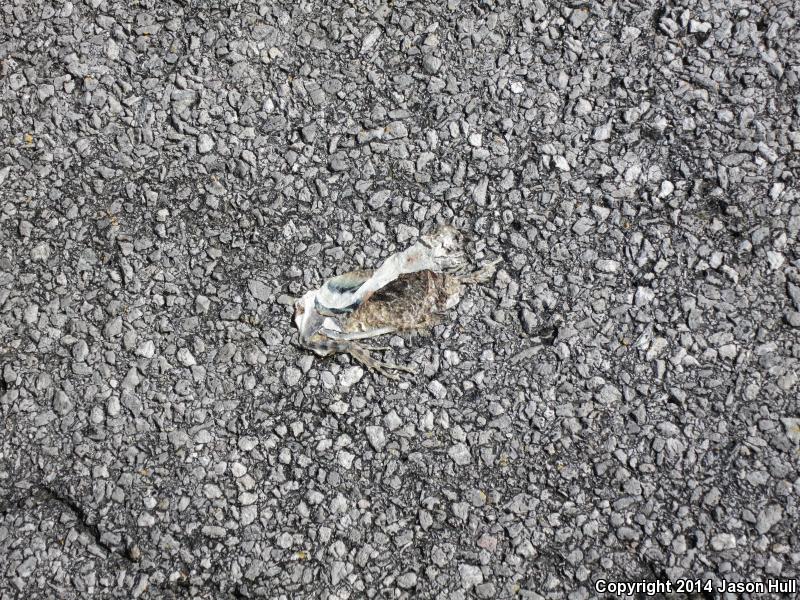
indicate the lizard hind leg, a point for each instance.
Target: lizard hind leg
{"x":362,"y":355}
{"x":326,"y":347}
{"x":359,"y":335}
{"x":482,"y":275}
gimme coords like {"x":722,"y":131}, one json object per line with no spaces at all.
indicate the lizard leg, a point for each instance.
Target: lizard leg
{"x":483,"y":274}
{"x":384,"y":368}
{"x":325,"y":347}
{"x":357,"y":335}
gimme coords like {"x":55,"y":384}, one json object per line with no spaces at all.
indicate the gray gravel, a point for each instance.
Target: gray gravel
{"x":621,"y":402}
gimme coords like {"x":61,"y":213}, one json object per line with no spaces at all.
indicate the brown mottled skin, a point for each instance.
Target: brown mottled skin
{"x":413,"y":301}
